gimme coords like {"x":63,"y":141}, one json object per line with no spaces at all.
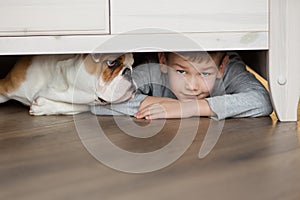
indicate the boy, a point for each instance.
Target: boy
{"x":186,"y":84}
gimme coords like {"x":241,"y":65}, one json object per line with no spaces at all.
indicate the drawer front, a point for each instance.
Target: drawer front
{"x":189,"y":15}
{"x":53,"y":17}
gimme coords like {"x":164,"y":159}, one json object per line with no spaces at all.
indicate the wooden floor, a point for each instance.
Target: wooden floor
{"x":43,"y":158}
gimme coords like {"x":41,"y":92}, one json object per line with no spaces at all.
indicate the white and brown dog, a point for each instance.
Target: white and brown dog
{"x":69,"y":84}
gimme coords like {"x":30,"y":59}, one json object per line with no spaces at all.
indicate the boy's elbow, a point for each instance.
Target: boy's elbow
{"x":264,"y":105}
{"x":266,"y":110}
{"x":269,"y":109}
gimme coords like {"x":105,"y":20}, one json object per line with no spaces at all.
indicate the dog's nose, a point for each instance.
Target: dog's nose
{"x":127,"y":74}
{"x":127,"y":71}
{"x":102,"y":100}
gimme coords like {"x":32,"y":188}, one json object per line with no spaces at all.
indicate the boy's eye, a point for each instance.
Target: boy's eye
{"x":180,"y":71}
{"x":205,"y":74}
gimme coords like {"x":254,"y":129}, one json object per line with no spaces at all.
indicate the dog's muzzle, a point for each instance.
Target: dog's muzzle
{"x":127,"y":74}
{"x":128,"y":89}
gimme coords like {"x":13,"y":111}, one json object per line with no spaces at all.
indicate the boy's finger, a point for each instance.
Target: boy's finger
{"x":159,"y":115}
{"x":156,"y":114}
{"x":142,"y":113}
{"x":148,"y":111}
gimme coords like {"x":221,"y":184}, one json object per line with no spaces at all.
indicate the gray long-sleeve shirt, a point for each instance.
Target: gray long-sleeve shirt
{"x":237,"y":94}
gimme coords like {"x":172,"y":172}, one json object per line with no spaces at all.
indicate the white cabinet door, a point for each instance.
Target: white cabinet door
{"x":53,"y":17}
{"x":188,"y":16}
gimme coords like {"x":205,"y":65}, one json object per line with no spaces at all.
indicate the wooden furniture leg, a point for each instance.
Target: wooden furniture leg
{"x":284,"y":57}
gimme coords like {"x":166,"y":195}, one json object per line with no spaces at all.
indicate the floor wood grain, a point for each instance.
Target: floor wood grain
{"x":44,"y":158}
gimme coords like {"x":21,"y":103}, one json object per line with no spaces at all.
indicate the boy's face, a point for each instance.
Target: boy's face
{"x":190,"y":80}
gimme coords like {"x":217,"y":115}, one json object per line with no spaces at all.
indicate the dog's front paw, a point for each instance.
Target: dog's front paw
{"x":41,"y":106}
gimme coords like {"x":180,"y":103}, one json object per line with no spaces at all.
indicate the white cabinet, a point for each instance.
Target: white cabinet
{"x":213,"y":24}
{"x":189,"y":16}
{"x":53,"y":17}
{"x":85,"y":26}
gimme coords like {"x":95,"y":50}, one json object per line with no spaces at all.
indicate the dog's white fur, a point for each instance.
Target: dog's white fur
{"x":69,"y":84}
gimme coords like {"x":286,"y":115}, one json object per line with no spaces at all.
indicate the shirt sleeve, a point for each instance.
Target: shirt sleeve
{"x":244,"y":95}
{"x":127,"y":108}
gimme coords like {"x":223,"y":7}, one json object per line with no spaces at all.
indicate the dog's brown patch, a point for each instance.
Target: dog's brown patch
{"x":110,"y":74}
{"x":84,"y":56}
{"x":101,"y":69}
{"x":16,"y":76}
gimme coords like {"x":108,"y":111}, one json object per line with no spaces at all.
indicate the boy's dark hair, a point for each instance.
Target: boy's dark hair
{"x":193,"y":56}
{"x":201,"y":56}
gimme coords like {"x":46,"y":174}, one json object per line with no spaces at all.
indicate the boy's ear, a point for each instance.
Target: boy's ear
{"x":222,"y":67}
{"x":163,"y":62}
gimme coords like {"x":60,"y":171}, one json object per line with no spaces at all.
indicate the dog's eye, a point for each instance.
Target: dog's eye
{"x":112,"y":63}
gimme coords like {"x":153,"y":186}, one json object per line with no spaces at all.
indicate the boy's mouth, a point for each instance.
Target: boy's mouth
{"x":190,"y":96}
{"x":194,"y":96}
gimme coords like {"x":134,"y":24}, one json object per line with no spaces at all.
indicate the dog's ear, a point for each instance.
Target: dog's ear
{"x":96,"y":57}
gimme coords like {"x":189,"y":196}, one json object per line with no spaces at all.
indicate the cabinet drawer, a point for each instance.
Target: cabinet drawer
{"x":53,"y":17}
{"x":189,"y":15}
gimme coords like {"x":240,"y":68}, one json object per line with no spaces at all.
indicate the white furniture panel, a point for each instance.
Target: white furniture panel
{"x":284,"y":54}
{"x":53,"y":17}
{"x":133,"y":42}
{"x":189,"y":15}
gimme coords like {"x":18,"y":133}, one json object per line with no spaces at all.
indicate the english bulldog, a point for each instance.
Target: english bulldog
{"x":69,"y":84}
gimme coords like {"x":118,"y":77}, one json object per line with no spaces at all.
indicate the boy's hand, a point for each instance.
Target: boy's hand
{"x":169,"y":109}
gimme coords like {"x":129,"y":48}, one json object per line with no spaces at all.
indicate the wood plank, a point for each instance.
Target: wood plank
{"x":43,"y":158}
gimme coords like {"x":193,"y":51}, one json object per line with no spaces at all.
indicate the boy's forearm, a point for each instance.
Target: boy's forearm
{"x":201,"y":108}
{"x":172,"y":108}
{"x":249,"y":104}
{"x":152,"y":100}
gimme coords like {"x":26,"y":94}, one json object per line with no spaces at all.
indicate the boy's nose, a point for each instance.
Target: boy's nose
{"x":193,"y":84}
